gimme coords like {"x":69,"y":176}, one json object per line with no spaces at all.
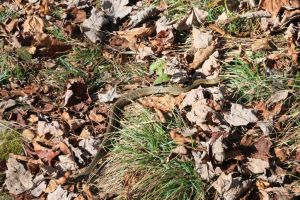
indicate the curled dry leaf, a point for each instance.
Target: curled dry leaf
{"x":18,"y":180}
{"x":202,"y":55}
{"x":240,"y":116}
{"x":278,"y":96}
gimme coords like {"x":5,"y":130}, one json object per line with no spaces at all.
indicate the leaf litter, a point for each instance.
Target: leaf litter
{"x":235,"y":147}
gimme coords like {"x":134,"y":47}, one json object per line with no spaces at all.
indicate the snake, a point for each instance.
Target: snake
{"x":116,"y":111}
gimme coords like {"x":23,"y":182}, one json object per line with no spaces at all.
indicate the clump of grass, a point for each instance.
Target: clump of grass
{"x":140,"y":157}
{"x":9,"y":143}
{"x":7,"y":13}
{"x":57,"y":33}
{"x":250,"y":83}
{"x":8,"y":69}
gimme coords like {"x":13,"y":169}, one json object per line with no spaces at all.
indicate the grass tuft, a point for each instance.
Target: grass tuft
{"x":138,"y":162}
{"x":10,"y":142}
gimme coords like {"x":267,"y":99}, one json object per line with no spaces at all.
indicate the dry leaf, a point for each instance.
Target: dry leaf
{"x":165,"y":103}
{"x":282,"y":153}
{"x":67,"y":163}
{"x":211,"y":67}
{"x":240,"y":116}
{"x":201,"y":40}
{"x":195,"y":17}
{"x":52,"y":128}
{"x":278,"y":96}
{"x":202,"y":55}
{"x":60,"y":193}
{"x":218,"y":151}
{"x":90,"y":144}
{"x":178,"y":138}
{"x":39,"y":189}
{"x":261,"y":44}
{"x":109,"y":96}
{"x":116,"y":9}
{"x":92,"y":26}
{"x":33,"y":24}
{"x":142,"y":16}
{"x":279,"y":193}
{"x":18,"y":180}
{"x":257,"y":166}
{"x":76,"y":93}
{"x":231,"y":188}
{"x":273,"y":6}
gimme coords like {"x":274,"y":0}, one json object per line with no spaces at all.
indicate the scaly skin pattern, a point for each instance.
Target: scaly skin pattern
{"x":116,"y":111}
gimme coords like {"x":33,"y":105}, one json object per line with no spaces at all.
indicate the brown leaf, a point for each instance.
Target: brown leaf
{"x":178,"y":138}
{"x":98,"y":118}
{"x":273,"y":6}
{"x":194,"y":17}
{"x":165,"y":103}
{"x":201,"y":40}
{"x":262,"y":146}
{"x":261,"y":44}
{"x":202,"y":55}
{"x":76,"y":93}
{"x":282,"y":153}
{"x":33,"y":24}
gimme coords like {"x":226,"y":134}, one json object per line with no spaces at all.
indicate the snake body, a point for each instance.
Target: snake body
{"x":117,"y":108}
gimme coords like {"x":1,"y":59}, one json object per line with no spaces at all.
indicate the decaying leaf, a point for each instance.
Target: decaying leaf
{"x":231,"y":188}
{"x":4,"y":105}
{"x":18,"y":179}
{"x":92,"y":26}
{"x":240,"y":116}
{"x":194,"y":17}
